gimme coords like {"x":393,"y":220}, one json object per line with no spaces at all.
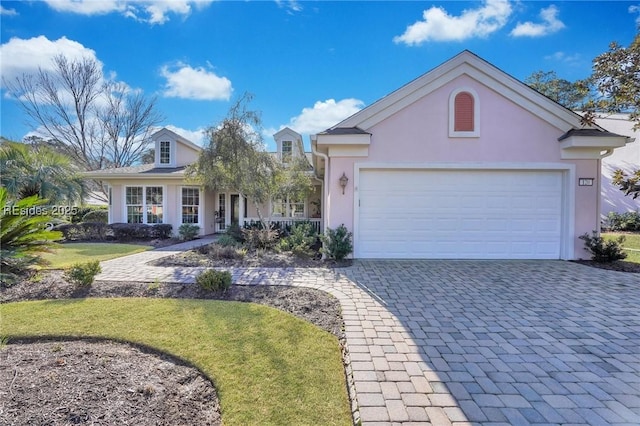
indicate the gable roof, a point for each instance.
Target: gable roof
{"x":287,"y":131}
{"x":465,"y":63}
{"x":173,"y":135}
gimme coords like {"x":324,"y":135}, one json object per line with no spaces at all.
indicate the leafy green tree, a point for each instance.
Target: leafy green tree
{"x":29,"y":170}
{"x":23,"y":235}
{"x":616,"y":87}
{"x":236,"y":159}
{"x":566,"y":93}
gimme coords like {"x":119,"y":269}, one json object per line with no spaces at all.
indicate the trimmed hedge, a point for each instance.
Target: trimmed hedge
{"x":115,"y":231}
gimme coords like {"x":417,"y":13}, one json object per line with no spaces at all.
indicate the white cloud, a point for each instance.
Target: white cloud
{"x":635,"y":9}
{"x":323,"y":115}
{"x":7,"y":12}
{"x":290,"y":5}
{"x":550,"y":24}
{"x":199,"y":137}
{"x":438,"y":25}
{"x":195,"y":83}
{"x":151,"y":11}
{"x":563,"y":57}
{"x":19,"y":56}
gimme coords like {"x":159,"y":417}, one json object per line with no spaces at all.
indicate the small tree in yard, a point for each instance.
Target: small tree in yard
{"x":23,"y":235}
{"x":236,"y":160}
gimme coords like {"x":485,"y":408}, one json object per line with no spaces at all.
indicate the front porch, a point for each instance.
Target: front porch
{"x":234,"y":208}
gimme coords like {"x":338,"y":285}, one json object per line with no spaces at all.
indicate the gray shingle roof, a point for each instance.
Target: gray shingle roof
{"x":588,"y":132}
{"x":144,"y":169}
{"x":345,"y":131}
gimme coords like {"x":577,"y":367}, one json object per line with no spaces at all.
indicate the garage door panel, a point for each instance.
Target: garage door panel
{"x":459,"y":214}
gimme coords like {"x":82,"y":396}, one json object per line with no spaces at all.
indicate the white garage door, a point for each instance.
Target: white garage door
{"x":459,"y":214}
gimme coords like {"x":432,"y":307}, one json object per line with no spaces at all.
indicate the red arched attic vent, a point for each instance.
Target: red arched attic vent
{"x":463,"y":112}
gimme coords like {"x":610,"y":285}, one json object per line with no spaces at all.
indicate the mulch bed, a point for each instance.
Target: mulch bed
{"x":104,"y":383}
{"x":208,"y":256}
{"x":101,"y":383}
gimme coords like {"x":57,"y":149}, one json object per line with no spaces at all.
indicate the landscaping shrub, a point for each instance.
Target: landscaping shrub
{"x":79,"y":212}
{"x":130,"y":231}
{"x":227,"y":240}
{"x":627,"y":221}
{"x":217,"y":251}
{"x":96,"y":216}
{"x":83,"y":274}
{"x":256,"y":238}
{"x":161,"y":231}
{"x":213,"y":280}
{"x":302,"y":237}
{"x":234,"y":231}
{"x":23,"y":236}
{"x":604,"y":251}
{"x":84,"y":231}
{"x":140,"y":231}
{"x":188,"y":231}
{"x":338,"y":243}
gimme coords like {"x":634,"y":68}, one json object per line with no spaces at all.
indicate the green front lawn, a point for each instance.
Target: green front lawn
{"x":69,"y":253}
{"x":632,"y":241}
{"x":268,"y":367}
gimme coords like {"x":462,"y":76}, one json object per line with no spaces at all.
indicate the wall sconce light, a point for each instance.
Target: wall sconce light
{"x":585,"y":182}
{"x":343,"y":181}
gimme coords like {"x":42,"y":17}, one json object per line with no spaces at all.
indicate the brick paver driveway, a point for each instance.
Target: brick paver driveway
{"x":511,"y":342}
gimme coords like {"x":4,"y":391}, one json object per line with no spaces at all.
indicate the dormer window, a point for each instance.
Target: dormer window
{"x":287,"y":151}
{"x":464,"y":114}
{"x":165,"y":152}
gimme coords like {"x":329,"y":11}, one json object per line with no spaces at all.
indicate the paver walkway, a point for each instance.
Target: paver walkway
{"x":473,"y":342}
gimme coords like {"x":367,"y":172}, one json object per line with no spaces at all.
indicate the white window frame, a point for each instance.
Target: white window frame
{"x":144,"y":203}
{"x":287,"y":210}
{"x":172,"y":153}
{"x":289,"y":157}
{"x":452,"y":114}
{"x":200,"y":199}
{"x":110,"y":209}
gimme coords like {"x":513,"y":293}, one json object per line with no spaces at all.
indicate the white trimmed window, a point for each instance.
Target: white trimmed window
{"x":287,"y":208}
{"x":165,"y":152}
{"x":287,"y":151}
{"x":464,"y":115}
{"x":278,"y":208}
{"x":190,"y":205}
{"x":154,"y":204}
{"x":144,"y":204}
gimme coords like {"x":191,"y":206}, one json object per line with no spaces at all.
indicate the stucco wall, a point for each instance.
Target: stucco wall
{"x":509,"y":134}
{"x":185,"y":155}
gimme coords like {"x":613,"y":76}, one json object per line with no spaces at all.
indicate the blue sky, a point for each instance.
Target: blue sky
{"x":309,"y":64}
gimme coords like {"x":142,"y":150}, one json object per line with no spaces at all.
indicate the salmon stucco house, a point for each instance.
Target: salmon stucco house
{"x":463,"y":162}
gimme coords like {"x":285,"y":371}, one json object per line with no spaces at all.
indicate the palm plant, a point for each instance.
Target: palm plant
{"x":39,"y":170}
{"x":23,"y":235}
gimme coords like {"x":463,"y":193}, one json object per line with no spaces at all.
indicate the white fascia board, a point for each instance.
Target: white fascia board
{"x":601,"y":142}
{"x":324,"y":140}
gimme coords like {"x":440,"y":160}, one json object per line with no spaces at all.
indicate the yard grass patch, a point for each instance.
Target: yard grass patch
{"x":632,"y":241}
{"x":268,"y":367}
{"x":70,"y":253}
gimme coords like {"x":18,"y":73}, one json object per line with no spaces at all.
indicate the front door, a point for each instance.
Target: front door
{"x":235,"y":208}
{"x":221,"y":212}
